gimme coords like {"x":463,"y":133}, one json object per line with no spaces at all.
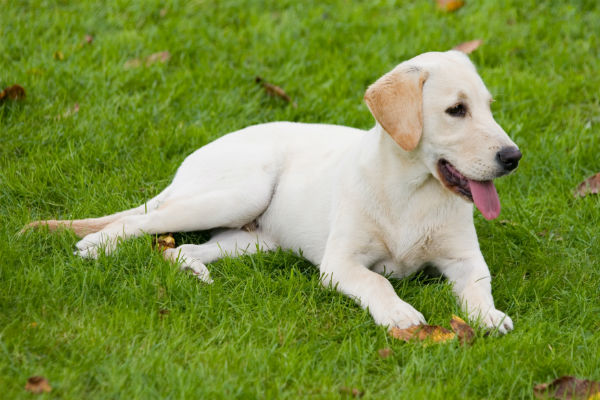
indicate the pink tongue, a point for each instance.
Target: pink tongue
{"x":485,"y":198}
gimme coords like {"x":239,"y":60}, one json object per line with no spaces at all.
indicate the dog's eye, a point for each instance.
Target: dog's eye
{"x":459,"y":110}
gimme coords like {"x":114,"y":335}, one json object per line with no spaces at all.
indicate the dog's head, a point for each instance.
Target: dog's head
{"x":437,"y":107}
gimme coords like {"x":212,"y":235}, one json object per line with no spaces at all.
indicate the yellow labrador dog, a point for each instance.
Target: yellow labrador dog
{"x":360,"y":204}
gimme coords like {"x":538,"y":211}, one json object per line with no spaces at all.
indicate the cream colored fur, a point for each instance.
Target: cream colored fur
{"x":356,"y":203}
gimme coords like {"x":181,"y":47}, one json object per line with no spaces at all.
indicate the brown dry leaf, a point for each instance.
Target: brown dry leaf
{"x":434,"y":333}
{"x":590,"y":186}
{"x":280,"y":336}
{"x":58,"y":55}
{"x":468,"y":47}
{"x":133,"y":63}
{"x":354,"y":392}
{"x":161,"y":56}
{"x":275,"y":91}
{"x":466,"y":334}
{"x":568,"y":387}
{"x":14,"y":92}
{"x":450,"y":5}
{"x":384,"y":353}
{"x":163,"y":312}
{"x":164,"y":242}
{"x":38,"y":385}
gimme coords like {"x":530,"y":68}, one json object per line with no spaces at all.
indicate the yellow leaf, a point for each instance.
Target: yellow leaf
{"x":450,"y":5}
{"x":435,"y":334}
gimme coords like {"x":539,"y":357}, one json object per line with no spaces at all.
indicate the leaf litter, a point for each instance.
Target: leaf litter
{"x":385,"y":352}
{"x":160,"y":57}
{"x":567,"y":388}
{"x":14,"y":92}
{"x":590,"y":186}
{"x":275,"y":91}
{"x":38,"y":385}
{"x":450,"y":5}
{"x":464,"y":332}
{"x":163,"y":242}
{"x":354,"y":392}
{"x":421,"y":333}
{"x":436,"y":333}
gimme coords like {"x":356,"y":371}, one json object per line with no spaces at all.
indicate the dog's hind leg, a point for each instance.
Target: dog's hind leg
{"x":231,"y":242}
{"x":224,"y":207}
{"x":83,"y":227}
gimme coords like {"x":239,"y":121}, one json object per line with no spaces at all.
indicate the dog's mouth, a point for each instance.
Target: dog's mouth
{"x":482,"y":193}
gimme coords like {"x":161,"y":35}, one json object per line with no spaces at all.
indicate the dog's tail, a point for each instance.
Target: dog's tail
{"x":83,"y":227}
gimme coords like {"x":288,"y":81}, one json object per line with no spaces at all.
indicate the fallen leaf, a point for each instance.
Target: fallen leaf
{"x":434,"y":333}
{"x":450,"y":5}
{"x":162,"y":57}
{"x":280,"y":336}
{"x":590,"y":186}
{"x":38,"y":385}
{"x":468,"y":47}
{"x":58,"y":55}
{"x":275,"y":91}
{"x":568,"y":387}
{"x":354,"y":392}
{"x":463,"y":331}
{"x":14,"y":92}
{"x":384,"y":353}
{"x":164,"y":242}
{"x":89,"y":39}
{"x":69,"y":112}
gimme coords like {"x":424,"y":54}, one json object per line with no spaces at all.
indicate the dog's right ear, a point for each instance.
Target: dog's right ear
{"x":396,"y":102}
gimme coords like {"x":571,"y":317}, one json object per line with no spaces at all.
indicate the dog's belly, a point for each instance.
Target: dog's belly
{"x":299,"y":215}
{"x":397,"y":270}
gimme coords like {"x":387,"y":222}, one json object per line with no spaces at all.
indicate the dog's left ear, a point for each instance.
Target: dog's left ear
{"x":396,"y":102}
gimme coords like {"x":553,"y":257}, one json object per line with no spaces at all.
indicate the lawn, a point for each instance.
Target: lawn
{"x":97,"y":134}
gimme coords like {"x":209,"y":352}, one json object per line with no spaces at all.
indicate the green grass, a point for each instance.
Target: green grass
{"x":265,"y":328}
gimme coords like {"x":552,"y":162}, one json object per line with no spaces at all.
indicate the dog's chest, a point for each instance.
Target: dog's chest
{"x":410,"y":249}
{"x":417,"y":234}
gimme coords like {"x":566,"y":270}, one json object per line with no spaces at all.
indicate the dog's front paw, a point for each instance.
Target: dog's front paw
{"x":396,"y":314}
{"x":496,"y":320}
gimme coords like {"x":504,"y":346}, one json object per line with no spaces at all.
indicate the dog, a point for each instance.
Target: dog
{"x":362,"y":205}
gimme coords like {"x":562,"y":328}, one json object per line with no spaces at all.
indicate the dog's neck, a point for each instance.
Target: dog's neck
{"x":397,"y":168}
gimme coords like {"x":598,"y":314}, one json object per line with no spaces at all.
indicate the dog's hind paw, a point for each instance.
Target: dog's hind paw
{"x":91,"y":245}
{"x":90,"y":252}
{"x":187,"y":263}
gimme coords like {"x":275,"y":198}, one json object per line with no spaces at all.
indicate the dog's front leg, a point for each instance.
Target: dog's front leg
{"x":471,"y":281}
{"x":370,"y":290}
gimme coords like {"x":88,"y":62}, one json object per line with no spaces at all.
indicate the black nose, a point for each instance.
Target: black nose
{"x":509,"y":158}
